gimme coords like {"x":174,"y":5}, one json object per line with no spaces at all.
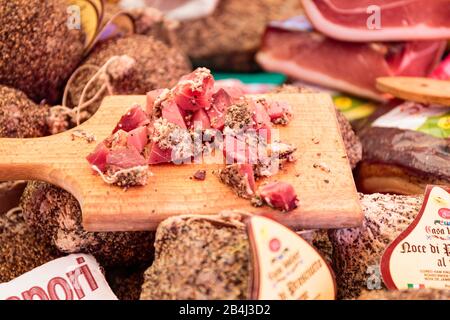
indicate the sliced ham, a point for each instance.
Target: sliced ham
{"x":380,"y":20}
{"x":159,"y":155}
{"x":184,"y":9}
{"x":442,"y":72}
{"x":221,"y":100}
{"x":172,"y":113}
{"x":124,"y":158}
{"x":98,"y":157}
{"x":135,"y":117}
{"x":279,"y":195}
{"x":194,"y":91}
{"x":236,"y":150}
{"x":260,"y":115}
{"x":246,"y":170}
{"x":291,"y":49}
{"x":279,"y":111}
{"x":138,"y":138}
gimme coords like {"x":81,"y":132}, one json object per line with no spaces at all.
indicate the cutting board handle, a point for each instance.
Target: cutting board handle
{"x":29,"y":159}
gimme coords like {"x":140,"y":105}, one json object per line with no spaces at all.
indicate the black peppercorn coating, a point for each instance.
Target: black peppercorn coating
{"x":56,"y":214}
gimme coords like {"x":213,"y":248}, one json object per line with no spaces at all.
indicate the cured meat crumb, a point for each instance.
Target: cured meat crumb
{"x":200,"y":175}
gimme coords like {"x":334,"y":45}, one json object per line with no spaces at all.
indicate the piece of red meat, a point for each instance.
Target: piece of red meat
{"x":124,"y":158}
{"x":98,"y":157}
{"x":200,"y":117}
{"x":172,"y":113}
{"x":260,"y":115}
{"x":159,"y":155}
{"x":194,"y":91}
{"x":221,"y":100}
{"x":290,"y":48}
{"x":138,"y":138}
{"x":135,"y":117}
{"x":279,"y":195}
{"x":399,"y":20}
{"x":152,"y":96}
{"x":236,"y":150}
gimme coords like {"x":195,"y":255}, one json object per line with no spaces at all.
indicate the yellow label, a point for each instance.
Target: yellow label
{"x":89,"y":17}
{"x":420,"y":256}
{"x":285,"y":266}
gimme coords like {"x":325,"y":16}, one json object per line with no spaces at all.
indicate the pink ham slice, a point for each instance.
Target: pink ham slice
{"x":135,"y":117}
{"x":184,"y":9}
{"x":138,"y":138}
{"x":200,"y":118}
{"x":236,"y":150}
{"x":158,"y":155}
{"x":194,"y":91}
{"x":221,"y":100}
{"x":125,"y":158}
{"x":279,"y":195}
{"x":172,"y":113}
{"x":400,"y":20}
{"x":98,"y":157}
{"x":351,"y":67}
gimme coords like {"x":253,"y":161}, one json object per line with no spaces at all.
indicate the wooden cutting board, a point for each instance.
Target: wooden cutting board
{"x":328,"y":199}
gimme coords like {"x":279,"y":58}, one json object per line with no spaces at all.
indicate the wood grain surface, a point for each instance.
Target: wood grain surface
{"x":424,"y":90}
{"x":327,"y":199}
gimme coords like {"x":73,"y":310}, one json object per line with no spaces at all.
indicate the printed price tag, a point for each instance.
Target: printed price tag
{"x":285,"y":266}
{"x":74,"y":277}
{"x":420,"y":256}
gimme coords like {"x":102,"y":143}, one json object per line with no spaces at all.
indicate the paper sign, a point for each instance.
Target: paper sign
{"x":74,"y":277}
{"x":414,"y":116}
{"x":285,"y":266}
{"x":420,"y":256}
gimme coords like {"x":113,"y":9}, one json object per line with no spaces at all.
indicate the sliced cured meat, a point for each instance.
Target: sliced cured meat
{"x":260,"y":115}
{"x":279,"y":195}
{"x":184,"y":9}
{"x":380,"y":20}
{"x":240,"y":178}
{"x":344,"y":66}
{"x":134,"y":118}
{"x":152,"y":97}
{"x":279,"y":112}
{"x":172,"y":113}
{"x":194,"y":91}
{"x":221,"y":100}
{"x":98,"y":157}
{"x":138,"y":138}
{"x":124,"y":158}
{"x":200,"y":118}
{"x":159,"y":155}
